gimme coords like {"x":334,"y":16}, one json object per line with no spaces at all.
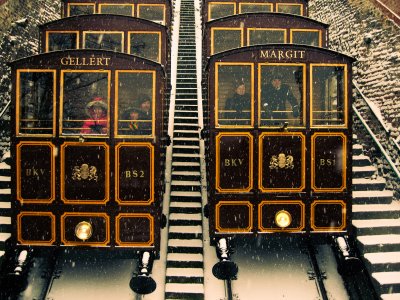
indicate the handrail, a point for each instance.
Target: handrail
{"x":4,"y":109}
{"x":383,"y":151}
{"x":370,"y":105}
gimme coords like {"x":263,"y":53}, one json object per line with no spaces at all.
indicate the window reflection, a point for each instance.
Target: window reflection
{"x":220,"y":10}
{"x":234,"y":95}
{"x":80,"y":9}
{"x":85,"y":102}
{"x":254,"y":7}
{"x":115,"y":9}
{"x":226,"y":39}
{"x":328,"y":95}
{"x":62,"y":41}
{"x":281,"y":95}
{"x":103,"y":41}
{"x":306,"y":37}
{"x":266,"y":36}
{"x":145,"y":44}
{"x":35,"y":97}
{"x":135,"y":103}
{"x":153,"y":12}
{"x":294,"y":9}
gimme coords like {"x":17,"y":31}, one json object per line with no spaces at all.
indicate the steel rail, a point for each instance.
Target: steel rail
{"x":375,"y":139}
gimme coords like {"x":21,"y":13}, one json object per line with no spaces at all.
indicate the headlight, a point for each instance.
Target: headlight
{"x":283,"y":218}
{"x":83,"y":231}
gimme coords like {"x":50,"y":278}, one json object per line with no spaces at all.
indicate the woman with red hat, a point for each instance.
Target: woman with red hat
{"x":97,"y":122}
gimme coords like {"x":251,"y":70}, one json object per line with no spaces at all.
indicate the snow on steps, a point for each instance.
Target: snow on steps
{"x":376,"y":218}
{"x":5,"y":202}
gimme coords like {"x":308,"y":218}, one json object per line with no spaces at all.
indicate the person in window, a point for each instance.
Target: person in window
{"x":145,"y":114}
{"x":97,"y":122}
{"x":237,"y":104}
{"x":131,"y":122}
{"x":275,"y":95}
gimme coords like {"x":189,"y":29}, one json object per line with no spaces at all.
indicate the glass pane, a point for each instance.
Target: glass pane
{"x":233,"y":95}
{"x":153,"y":13}
{"x":221,"y":10}
{"x":81,"y":9}
{"x":146,"y":45}
{"x":310,"y":38}
{"x":135,"y":103}
{"x":62,"y":41}
{"x":328,"y":95}
{"x":226,"y":39}
{"x":36,"y":92}
{"x":125,"y":10}
{"x":266,"y":36}
{"x":103,"y":41}
{"x":85,"y":105}
{"x":294,"y":9}
{"x":281,"y":95}
{"x":252,"y":8}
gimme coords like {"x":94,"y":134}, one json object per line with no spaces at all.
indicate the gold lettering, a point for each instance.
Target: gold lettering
{"x":233,"y":162}
{"x":64,"y":61}
{"x":281,"y":54}
{"x":85,"y":61}
{"x":134,"y":174}
{"x":264,"y":54}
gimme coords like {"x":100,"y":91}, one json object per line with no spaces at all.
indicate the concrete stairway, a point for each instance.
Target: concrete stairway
{"x":5,"y":202}
{"x":185,"y":274}
{"x":376,"y":219}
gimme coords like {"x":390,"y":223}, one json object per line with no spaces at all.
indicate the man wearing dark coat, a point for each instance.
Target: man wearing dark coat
{"x":274,"y":97}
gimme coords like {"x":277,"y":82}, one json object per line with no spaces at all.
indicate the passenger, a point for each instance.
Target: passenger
{"x":237,"y":104}
{"x":97,"y":122}
{"x":145,"y":114}
{"x":131,"y":121}
{"x":274,"y":98}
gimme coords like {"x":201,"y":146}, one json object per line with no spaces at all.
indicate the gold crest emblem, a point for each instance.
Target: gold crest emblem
{"x":84,"y":172}
{"x":281,"y":161}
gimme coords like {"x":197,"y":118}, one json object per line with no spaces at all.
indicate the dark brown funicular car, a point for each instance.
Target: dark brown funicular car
{"x":158,"y":11}
{"x":215,"y":9}
{"x":262,"y":28}
{"x":88,"y":133}
{"x":130,"y":35}
{"x":280,"y":140}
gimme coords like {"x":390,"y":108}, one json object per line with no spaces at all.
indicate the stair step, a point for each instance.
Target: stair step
{"x":394,"y":296}
{"x":185,"y":243}
{"x":183,"y":217}
{"x":185,"y":272}
{"x":186,"y":229}
{"x":372,"y":197}
{"x":387,"y":282}
{"x":357,"y":149}
{"x":379,"y":243}
{"x":383,"y":261}
{"x":183,"y":288}
{"x":376,"y":211}
{"x":366,"y":184}
{"x":377,"y":226}
{"x":361,"y":160}
{"x":363,"y":172}
{"x":185,"y":257}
